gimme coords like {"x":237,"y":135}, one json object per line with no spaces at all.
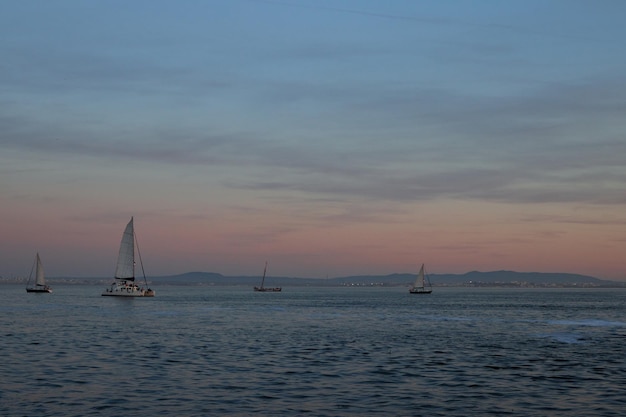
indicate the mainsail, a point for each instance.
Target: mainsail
{"x":419,"y":281}
{"x":40,"y":280}
{"x":126,"y":259}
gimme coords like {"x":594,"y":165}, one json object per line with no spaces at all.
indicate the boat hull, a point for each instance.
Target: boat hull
{"x":120,"y":294}
{"x":420,"y":291}
{"x":39,"y":290}
{"x":127,"y":291}
{"x":268,"y":289}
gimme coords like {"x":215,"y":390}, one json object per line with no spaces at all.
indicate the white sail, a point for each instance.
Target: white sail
{"x":126,"y":258}
{"x":419,"y":281}
{"x":419,"y":287}
{"x":40,"y":279}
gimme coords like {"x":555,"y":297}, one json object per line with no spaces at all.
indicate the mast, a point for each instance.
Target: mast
{"x":143,"y":272}
{"x":264,"y":271}
{"x":125,"y":268}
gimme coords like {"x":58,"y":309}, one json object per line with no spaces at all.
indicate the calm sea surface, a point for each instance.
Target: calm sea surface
{"x":209,"y":351}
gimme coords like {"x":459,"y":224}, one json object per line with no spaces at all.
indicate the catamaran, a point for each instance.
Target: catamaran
{"x":266,"y":289}
{"x":419,"y":287}
{"x":40,"y":280}
{"x":124,"y":284}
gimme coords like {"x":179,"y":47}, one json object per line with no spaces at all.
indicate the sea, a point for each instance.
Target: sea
{"x":308,"y":351}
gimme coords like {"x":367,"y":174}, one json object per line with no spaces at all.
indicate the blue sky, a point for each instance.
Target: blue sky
{"x":332,"y":137}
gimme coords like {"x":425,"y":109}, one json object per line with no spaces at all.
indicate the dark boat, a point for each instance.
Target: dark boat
{"x":266,"y":289}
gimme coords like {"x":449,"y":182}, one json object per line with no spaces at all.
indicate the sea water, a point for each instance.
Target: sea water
{"x":210,"y":351}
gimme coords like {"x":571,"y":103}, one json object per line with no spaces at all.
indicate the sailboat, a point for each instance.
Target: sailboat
{"x":124,"y":284}
{"x":266,"y":289}
{"x":419,"y":287}
{"x":40,"y":280}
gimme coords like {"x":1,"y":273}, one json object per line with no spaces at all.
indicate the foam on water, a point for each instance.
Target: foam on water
{"x":570,"y":338}
{"x":589,"y":322}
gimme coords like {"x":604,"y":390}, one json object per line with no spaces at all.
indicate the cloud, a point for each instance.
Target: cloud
{"x":405,"y":140}
{"x":533,"y":149}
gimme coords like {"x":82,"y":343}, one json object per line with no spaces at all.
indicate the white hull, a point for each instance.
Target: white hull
{"x":123,"y":294}
{"x":127,"y":291}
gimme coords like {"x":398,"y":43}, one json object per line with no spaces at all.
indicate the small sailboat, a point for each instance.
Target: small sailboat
{"x":419,"y":287}
{"x":40,"y":280}
{"x":266,"y":289}
{"x":124,"y":284}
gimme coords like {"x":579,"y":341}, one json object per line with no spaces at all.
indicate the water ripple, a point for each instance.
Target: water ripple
{"x":323,"y":352}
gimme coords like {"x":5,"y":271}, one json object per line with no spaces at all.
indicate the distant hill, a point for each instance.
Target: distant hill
{"x":473,"y":278}
{"x":213,"y":278}
{"x":526,"y":277}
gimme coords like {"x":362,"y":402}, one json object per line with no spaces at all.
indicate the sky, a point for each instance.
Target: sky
{"x":327,"y":137}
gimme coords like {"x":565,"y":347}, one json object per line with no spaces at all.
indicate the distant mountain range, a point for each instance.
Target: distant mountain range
{"x":474,"y":278}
